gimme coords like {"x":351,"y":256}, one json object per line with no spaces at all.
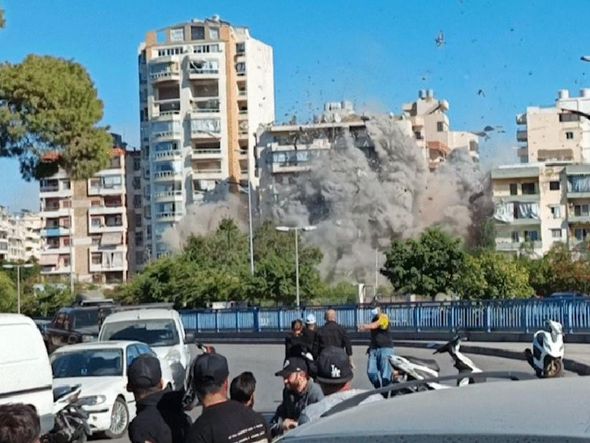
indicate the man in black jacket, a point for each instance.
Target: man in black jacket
{"x":160,"y":417}
{"x":332,"y":334}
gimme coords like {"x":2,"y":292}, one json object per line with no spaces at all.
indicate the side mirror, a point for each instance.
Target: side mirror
{"x":190,"y":338}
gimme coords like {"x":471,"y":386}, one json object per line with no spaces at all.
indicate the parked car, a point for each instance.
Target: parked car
{"x":101,"y":370}
{"x":161,"y":329}
{"x":74,"y":324}
{"x":25,"y":372}
{"x":568,"y":295}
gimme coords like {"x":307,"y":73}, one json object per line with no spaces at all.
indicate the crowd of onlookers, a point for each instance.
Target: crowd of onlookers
{"x":317,"y":373}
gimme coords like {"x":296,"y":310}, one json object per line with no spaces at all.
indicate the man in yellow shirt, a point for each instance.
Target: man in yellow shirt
{"x":380,"y":349}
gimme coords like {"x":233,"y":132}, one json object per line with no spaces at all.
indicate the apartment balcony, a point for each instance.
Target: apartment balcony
{"x":55,"y":250}
{"x":55,"y":270}
{"x":522,"y":198}
{"x":243,"y":114}
{"x":525,"y":222}
{"x":578,"y":219}
{"x":166,"y":176}
{"x":572,"y":195}
{"x":206,"y":153}
{"x":279,"y":168}
{"x":522,"y":135}
{"x":103,"y":228}
{"x":203,"y":73}
{"x":108,"y":267}
{"x":165,"y":76}
{"x":517,"y":246}
{"x":55,"y":232}
{"x":173,"y":115}
{"x":205,"y":128}
{"x":172,"y":154}
{"x":101,"y":190}
{"x":168,"y":196}
{"x":242,"y":94}
{"x":103,"y":209}
{"x":205,"y":174}
{"x":168,"y":216}
{"x":55,"y":212}
{"x":521,"y":119}
{"x":54,"y":191}
{"x":174,"y":132}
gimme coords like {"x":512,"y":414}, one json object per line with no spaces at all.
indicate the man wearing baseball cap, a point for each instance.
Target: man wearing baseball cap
{"x":334,"y":374}
{"x":222,"y":420}
{"x":299,"y":392}
{"x":160,"y":418}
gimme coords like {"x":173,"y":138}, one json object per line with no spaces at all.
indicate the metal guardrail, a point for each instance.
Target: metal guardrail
{"x":486,"y":316}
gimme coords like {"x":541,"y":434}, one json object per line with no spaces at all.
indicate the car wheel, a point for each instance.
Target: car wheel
{"x":119,"y":419}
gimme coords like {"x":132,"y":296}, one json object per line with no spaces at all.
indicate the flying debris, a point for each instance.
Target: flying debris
{"x":481,"y":92}
{"x":440,"y":39}
{"x":488,"y":128}
{"x":575,"y":111}
{"x":585,"y":58}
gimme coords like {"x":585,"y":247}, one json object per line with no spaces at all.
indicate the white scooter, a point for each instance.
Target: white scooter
{"x":546,"y":357}
{"x":463,"y":363}
{"x":71,"y":421}
{"x":410,"y":368}
{"x":189,"y":399}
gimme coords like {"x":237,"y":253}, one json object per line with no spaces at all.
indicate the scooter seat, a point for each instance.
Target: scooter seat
{"x":432,"y":364}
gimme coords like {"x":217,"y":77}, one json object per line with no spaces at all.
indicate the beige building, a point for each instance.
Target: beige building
{"x":20,"y":239}
{"x":431,"y":128}
{"x":84,"y":225}
{"x":554,"y":133}
{"x":205,"y":87}
{"x":539,"y":204}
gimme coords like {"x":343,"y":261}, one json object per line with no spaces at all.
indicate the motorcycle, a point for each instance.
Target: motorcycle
{"x":546,"y":357}
{"x":71,"y":421}
{"x":411,"y":368}
{"x":189,"y":399}
{"x":461,"y":362}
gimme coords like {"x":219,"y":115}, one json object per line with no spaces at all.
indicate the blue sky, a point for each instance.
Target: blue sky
{"x":375,"y":53}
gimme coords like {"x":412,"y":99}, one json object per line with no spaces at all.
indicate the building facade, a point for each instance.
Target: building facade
{"x":136,"y":256}
{"x":84,"y":225}
{"x":20,"y":239}
{"x":205,"y":87}
{"x":554,"y":133}
{"x":538,"y":205}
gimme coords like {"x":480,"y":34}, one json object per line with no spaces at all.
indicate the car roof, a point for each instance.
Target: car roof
{"x":141,"y":314}
{"x":115,"y":344}
{"x":547,"y":407}
{"x":15,"y":319}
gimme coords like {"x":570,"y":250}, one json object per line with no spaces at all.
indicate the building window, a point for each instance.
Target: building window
{"x":555,"y":211}
{"x":177,"y":35}
{"x":240,"y":48}
{"x":440,"y":126}
{"x":528,"y":188}
{"x":581,"y":210}
{"x":96,"y":222}
{"x":137,"y":201}
{"x":197,"y":33}
{"x":569,"y":117}
{"x":554,"y":185}
{"x":580,"y":234}
{"x":569,"y":135}
{"x":531,"y":235}
{"x":513,"y":189}
{"x":95,"y":240}
{"x":214,"y":33}
{"x":515,"y":237}
{"x":136,"y":164}
{"x":139,"y":257}
{"x":556,"y":233}
{"x":96,"y":258}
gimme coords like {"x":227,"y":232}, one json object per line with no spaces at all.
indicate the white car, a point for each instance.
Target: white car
{"x":101,"y":370}
{"x":161,"y":329}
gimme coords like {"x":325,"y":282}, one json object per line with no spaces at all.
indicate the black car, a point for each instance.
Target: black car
{"x":74,"y":325}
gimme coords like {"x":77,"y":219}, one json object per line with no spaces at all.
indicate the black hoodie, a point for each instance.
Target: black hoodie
{"x":160,"y":419}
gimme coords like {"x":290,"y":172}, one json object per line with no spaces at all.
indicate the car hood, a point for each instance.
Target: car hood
{"x":94,"y":385}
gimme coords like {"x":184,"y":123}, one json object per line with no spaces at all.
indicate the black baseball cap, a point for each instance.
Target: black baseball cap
{"x":333,"y":366}
{"x":292,"y":364}
{"x":210,"y":369}
{"x":144,"y":372}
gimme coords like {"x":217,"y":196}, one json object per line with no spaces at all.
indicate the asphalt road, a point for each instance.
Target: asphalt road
{"x":265,"y":360}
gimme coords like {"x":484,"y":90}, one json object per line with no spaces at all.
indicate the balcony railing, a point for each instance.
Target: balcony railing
{"x":165,"y":174}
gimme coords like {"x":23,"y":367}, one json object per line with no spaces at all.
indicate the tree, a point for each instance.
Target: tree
{"x":50,"y":105}
{"x":491,"y":275}
{"x":2,"y":21}
{"x":8,"y":295}
{"x":427,"y":266}
{"x":47,"y":301}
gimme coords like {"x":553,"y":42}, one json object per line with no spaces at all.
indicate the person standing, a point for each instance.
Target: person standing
{"x":242,"y":389}
{"x":222,"y":420}
{"x":295,"y":344}
{"x":299,"y":392}
{"x":19,"y":423}
{"x":160,"y":417}
{"x":332,"y":334}
{"x":380,"y":349}
{"x":309,"y":333}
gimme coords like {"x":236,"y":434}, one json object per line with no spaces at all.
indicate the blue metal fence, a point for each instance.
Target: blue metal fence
{"x":488,"y":315}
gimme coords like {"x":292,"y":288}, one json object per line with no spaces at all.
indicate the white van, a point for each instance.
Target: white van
{"x":25,"y":371}
{"x":161,"y":329}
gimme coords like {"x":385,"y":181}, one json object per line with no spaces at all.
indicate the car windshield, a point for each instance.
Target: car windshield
{"x":152,"y":332}
{"x":88,"y":363}
{"x":86,"y":318}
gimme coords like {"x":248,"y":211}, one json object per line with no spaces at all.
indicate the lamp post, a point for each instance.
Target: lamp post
{"x":25,"y":265}
{"x":296,"y":229}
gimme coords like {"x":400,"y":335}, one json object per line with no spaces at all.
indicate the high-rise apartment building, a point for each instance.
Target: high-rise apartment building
{"x":554,"y":133}
{"x":84,"y":225}
{"x":19,"y":236}
{"x":136,"y":253}
{"x":205,"y":87}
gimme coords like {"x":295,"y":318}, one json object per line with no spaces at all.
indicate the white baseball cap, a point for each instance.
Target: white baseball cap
{"x":310,"y":319}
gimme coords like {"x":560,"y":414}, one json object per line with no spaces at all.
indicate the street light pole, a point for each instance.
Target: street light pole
{"x":26,"y":265}
{"x":296,"y":229}
{"x":250,"y":227}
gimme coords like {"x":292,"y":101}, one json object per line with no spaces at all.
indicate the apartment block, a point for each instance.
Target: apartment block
{"x":84,"y":225}
{"x":540,"y":204}
{"x":205,"y":87}
{"x":136,"y":257}
{"x":19,"y":236}
{"x":555,"y":133}
{"x":431,"y":128}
